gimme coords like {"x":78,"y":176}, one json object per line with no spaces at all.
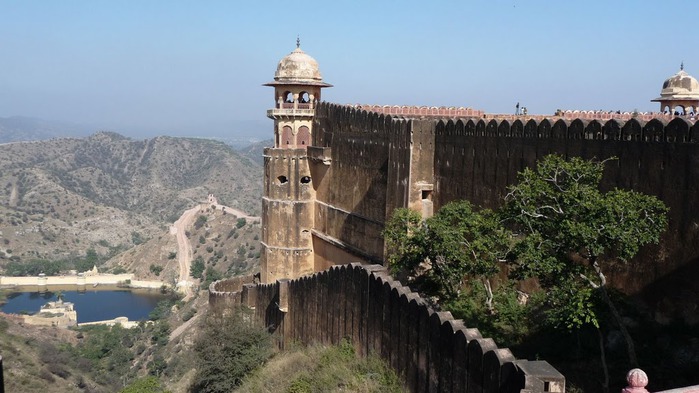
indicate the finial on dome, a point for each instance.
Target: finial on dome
{"x":682,"y":66}
{"x":298,"y":41}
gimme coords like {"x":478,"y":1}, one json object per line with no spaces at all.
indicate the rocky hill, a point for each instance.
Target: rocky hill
{"x":255,"y":150}
{"x":106,"y":192}
{"x":223,"y":245}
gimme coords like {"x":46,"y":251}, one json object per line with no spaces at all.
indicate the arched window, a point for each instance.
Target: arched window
{"x":287,"y":139}
{"x":304,"y":136}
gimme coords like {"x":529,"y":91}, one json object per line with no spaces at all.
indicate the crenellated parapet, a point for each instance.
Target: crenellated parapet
{"x":429,"y":349}
{"x":420,"y":111}
{"x":380,"y":122}
{"x":678,"y":129}
{"x":228,"y":291}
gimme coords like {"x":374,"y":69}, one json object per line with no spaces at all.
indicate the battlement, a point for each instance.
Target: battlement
{"x":678,"y":130}
{"x":576,"y":125}
{"x":431,"y":350}
{"x":420,"y":111}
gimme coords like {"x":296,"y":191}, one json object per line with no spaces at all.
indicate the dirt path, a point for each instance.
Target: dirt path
{"x":236,"y":212}
{"x":184,"y":248}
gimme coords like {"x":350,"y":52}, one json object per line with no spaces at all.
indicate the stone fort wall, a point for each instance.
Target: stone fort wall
{"x":380,"y":162}
{"x":430,"y":350}
{"x":366,"y":178}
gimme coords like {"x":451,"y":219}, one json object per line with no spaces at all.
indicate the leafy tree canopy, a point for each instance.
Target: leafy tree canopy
{"x":571,"y":229}
{"x":457,"y":242}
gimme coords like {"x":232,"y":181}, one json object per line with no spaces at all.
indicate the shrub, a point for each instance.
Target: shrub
{"x":197,"y":268}
{"x":201,"y":220}
{"x":149,"y":384}
{"x":230,"y":346}
{"x":189,"y":314}
{"x":155,"y":269}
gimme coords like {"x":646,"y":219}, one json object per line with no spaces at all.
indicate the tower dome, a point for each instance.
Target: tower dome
{"x":681,"y":84}
{"x":298,"y":68}
{"x":680,"y":90}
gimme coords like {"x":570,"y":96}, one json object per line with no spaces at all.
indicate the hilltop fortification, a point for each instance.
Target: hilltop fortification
{"x":337,"y":172}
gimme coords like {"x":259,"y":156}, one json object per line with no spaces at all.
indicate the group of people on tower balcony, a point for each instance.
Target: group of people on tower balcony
{"x":303,"y":102}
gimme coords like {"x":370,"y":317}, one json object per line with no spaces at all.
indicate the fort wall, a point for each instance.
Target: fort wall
{"x":367,"y":175}
{"x":430,"y":350}
{"x":227,"y":292}
{"x":381,"y":162}
{"x":477,"y":160}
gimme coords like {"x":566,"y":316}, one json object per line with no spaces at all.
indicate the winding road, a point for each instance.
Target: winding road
{"x":184,"y":248}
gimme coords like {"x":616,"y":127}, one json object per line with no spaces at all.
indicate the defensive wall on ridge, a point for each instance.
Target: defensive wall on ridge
{"x":378,"y":162}
{"x":431,"y":350}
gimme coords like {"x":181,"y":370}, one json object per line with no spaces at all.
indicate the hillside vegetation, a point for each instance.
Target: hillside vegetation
{"x":60,"y":198}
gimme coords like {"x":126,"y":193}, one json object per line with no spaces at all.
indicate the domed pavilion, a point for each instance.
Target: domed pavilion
{"x":680,"y":94}
{"x":297,"y":84}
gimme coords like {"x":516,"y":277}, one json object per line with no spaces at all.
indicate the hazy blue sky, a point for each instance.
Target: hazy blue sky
{"x":196,"y":68}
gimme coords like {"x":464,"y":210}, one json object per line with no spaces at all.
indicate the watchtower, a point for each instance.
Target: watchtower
{"x":289,"y":196}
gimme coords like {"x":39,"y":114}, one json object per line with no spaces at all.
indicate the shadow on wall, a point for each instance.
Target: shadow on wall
{"x":430,"y":350}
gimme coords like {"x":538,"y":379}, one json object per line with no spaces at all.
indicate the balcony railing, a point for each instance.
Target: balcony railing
{"x":289,"y":112}
{"x":299,"y":105}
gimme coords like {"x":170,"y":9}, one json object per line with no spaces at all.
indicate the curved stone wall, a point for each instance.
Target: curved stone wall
{"x":430,"y":350}
{"x":227,"y":292}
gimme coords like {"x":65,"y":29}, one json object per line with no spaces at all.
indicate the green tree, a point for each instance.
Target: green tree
{"x":34,"y":267}
{"x":230,"y":345}
{"x":404,"y":238}
{"x":464,"y":242}
{"x":201,"y":220}
{"x":458,"y":242}
{"x":211,"y":275}
{"x":88,"y":262}
{"x":156,"y":269}
{"x":573,"y":232}
{"x":197,"y":267}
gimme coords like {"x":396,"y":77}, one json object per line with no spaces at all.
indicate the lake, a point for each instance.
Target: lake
{"x":91,"y":305}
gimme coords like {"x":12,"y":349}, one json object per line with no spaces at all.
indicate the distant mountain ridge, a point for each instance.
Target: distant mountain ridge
{"x":63,"y":196}
{"x":21,"y":128}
